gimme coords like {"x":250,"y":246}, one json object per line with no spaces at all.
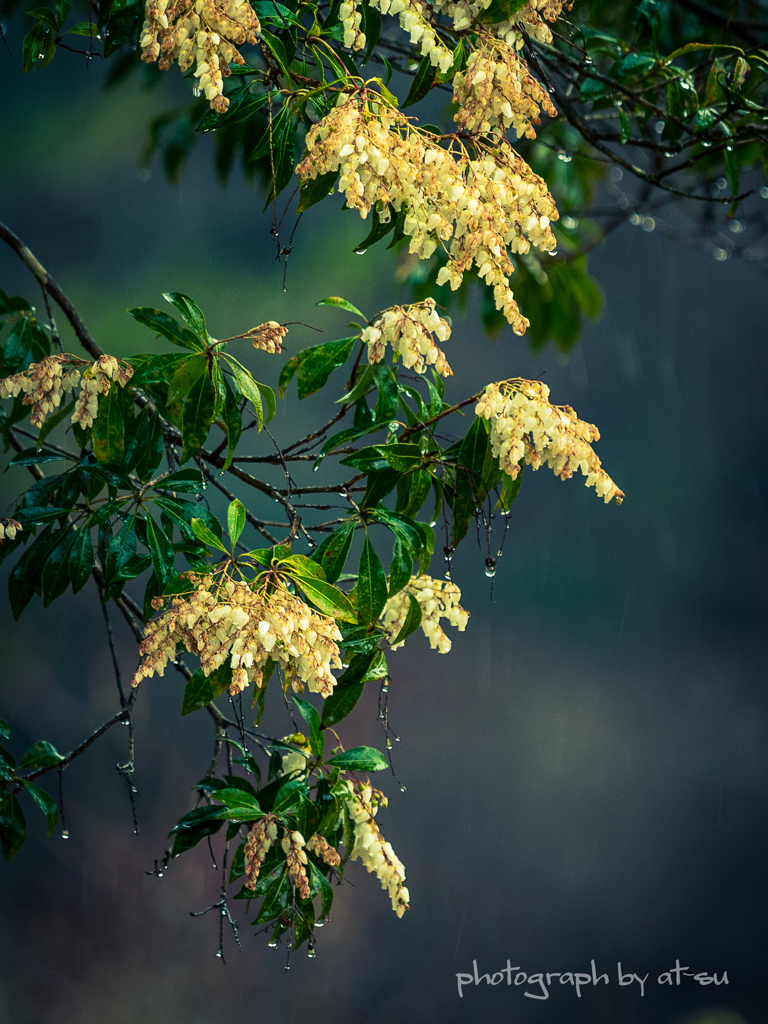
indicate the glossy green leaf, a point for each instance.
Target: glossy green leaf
{"x":314,"y":190}
{"x":319,"y":363}
{"x":360,"y":759}
{"x":160,"y":550}
{"x":324,"y":887}
{"x":401,"y":567}
{"x":332,"y":554}
{"x":13,"y":828}
{"x":203,"y":533}
{"x":190,"y":370}
{"x":371,"y":584}
{"x":335,"y":300}
{"x":202,"y":689}
{"x":46,"y":804}
{"x":109,"y":429}
{"x":165,"y":325}
{"x":250,"y":389}
{"x":191,"y":312}
{"x":329,"y":599}
{"x":312,"y":718}
{"x":197,"y":417}
{"x":235,"y":520}
{"x":40,"y":755}
{"x":81,"y":559}
{"x":421,"y":83}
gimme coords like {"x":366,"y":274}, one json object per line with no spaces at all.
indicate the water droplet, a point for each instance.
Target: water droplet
{"x":65,"y":834}
{"x":736,"y":226}
{"x":659,"y":126}
{"x":499,"y":553}
{"x":706,"y":145}
{"x":219,"y":954}
{"x":385,"y":688}
{"x":587,"y":60}
{"x":490,"y":566}
{"x":616,"y":174}
{"x":315,"y":467}
{"x":402,"y":789}
{"x":319,"y":924}
{"x":668,"y":152}
{"x":311,"y":953}
{"x":720,"y":255}
{"x":160,"y":874}
{"x":553,"y":252}
{"x":223,"y":911}
{"x":287,"y":967}
{"x":433,"y":523}
{"x":764,"y":192}
{"x":125,"y":722}
{"x":729,"y":147}
{"x":360,"y":252}
{"x":272,"y":944}
{"x":565,"y":155}
{"x":684,"y":85}
{"x":448,"y":576}
{"x":389,"y":743}
{"x":649,"y":224}
{"x":635,"y":219}
{"x":397,"y":739}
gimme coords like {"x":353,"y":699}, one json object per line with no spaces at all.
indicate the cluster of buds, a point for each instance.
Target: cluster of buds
{"x":532,"y":20}
{"x":323,"y":849}
{"x":482,"y":207}
{"x":498,"y":89}
{"x":257,"y":846}
{"x":409,"y":329}
{"x":351,"y":19}
{"x":525,"y":425}
{"x":293,"y":847}
{"x":221,"y":619}
{"x":362,"y":803}
{"x":438,"y":599}
{"x":9,"y":528}
{"x":268,"y":337}
{"x":416,"y":19}
{"x":45,"y":383}
{"x":202,"y":32}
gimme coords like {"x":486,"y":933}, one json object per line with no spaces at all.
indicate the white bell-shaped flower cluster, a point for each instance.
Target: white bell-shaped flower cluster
{"x":438,"y":599}
{"x":9,"y":528}
{"x":268,"y":337}
{"x":525,"y":425}
{"x":257,"y":846}
{"x":223,"y":619}
{"x":498,"y":89}
{"x":202,"y":32}
{"x":44,"y":384}
{"x":323,"y":849}
{"x":416,"y":19}
{"x":533,"y":16}
{"x":409,"y":330}
{"x":362,"y":803}
{"x":351,"y":19}
{"x":482,"y":207}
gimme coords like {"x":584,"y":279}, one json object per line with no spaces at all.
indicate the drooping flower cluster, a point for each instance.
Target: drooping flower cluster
{"x":9,"y":528}
{"x":268,"y":337}
{"x":323,"y":849}
{"x":293,"y":847}
{"x":222,"y":619}
{"x":44,"y":384}
{"x":439,"y":599}
{"x":409,"y":329}
{"x":370,"y":847}
{"x":416,"y":19}
{"x":257,"y":846}
{"x":533,"y":17}
{"x":202,"y":32}
{"x":525,"y":425}
{"x":482,"y":206}
{"x":351,"y":19}
{"x":498,"y":89}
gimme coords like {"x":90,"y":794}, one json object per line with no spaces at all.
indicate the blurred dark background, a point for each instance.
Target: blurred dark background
{"x":585,"y":771}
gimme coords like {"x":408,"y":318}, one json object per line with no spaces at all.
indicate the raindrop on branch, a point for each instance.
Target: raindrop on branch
{"x":65,"y":834}
{"x":490,"y":566}
{"x":402,"y":789}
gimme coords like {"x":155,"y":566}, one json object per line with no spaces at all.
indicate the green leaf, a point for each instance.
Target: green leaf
{"x":278,"y":51}
{"x":329,"y":599}
{"x":625,"y":127}
{"x":321,"y":883}
{"x":202,"y":533}
{"x":109,"y":429}
{"x":335,"y":300}
{"x":422,"y":82}
{"x":360,"y":759}
{"x":40,"y":755}
{"x":319,"y":363}
{"x":412,"y":621}
{"x":276,"y":897}
{"x":5,"y":729}
{"x":250,"y":389}
{"x":379,"y":229}
{"x":13,"y":828}
{"x":84,"y":28}
{"x":332,"y":554}
{"x":732,"y":171}
{"x":312,"y":718}
{"x":35,"y":456}
{"x":46,"y":804}
{"x":401,"y":456}
{"x":161,"y":551}
{"x":31,"y":51}
{"x":413,"y":491}
{"x":371,"y":584}
{"x":202,"y":689}
{"x":269,"y":399}
{"x":191,"y":312}
{"x":197,"y":417}
{"x":54,"y":579}
{"x":233,"y":422}
{"x":314,"y":190}
{"x":194,"y":827}
{"x":235,"y":520}
{"x":510,"y":488}
{"x":400,"y":569}
{"x":190,"y":369}
{"x":163,"y":324}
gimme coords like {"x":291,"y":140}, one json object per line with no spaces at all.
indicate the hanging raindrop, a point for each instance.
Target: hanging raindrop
{"x":272,"y":944}
{"x":499,"y":553}
{"x":389,"y":743}
{"x":219,"y":954}
{"x":360,"y":252}
{"x":65,"y":834}
{"x":160,"y":874}
{"x":490,"y":566}
{"x":397,"y":739}
{"x":319,"y":924}
{"x":565,"y":155}
{"x":402,"y":789}
{"x":311,"y":953}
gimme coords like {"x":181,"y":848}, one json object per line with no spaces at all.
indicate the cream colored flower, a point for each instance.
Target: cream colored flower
{"x":416,"y":19}
{"x":351,"y":19}
{"x":257,"y":846}
{"x":370,"y":847}
{"x":439,"y":599}
{"x":293,"y":847}
{"x":409,"y":330}
{"x":524,"y":424}
{"x":268,"y":337}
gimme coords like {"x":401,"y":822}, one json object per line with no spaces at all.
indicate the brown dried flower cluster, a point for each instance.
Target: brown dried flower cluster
{"x":525,"y":425}
{"x":268,"y":337}
{"x":323,"y":849}
{"x":202,"y":32}
{"x":44,"y":384}
{"x":257,"y":846}
{"x":476,"y":209}
{"x":222,"y":619}
{"x":497,"y":89}
{"x":409,"y":329}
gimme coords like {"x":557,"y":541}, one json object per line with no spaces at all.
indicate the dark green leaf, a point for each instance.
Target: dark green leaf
{"x":422,"y":82}
{"x":165,"y":325}
{"x":235,"y":520}
{"x":46,"y":804}
{"x":319,"y":881}
{"x":189,"y":371}
{"x":276,"y":898}
{"x":197,"y":417}
{"x":161,"y":551}
{"x":54,"y":579}
{"x":40,"y":755}
{"x":400,"y":569}
{"x":80,"y":561}
{"x":201,"y":689}
{"x":250,"y":389}
{"x":109,"y":429}
{"x":314,"y":190}
{"x":379,"y":229}
{"x":335,"y":300}
{"x":319,"y":363}
{"x":412,"y":620}
{"x":24,"y":580}
{"x":191,"y":312}
{"x":312,"y":718}
{"x":371,"y":584}
{"x":13,"y":828}
{"x":35,"y":456}
{"x":332,"y":554}
{"x":329,"y":599}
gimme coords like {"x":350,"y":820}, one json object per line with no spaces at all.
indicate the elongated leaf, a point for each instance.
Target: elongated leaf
{"x":276,"y":899}
{"x":400,"y":569}
{"x":13,"y":828}
{"x":36,"y":456}
{"x":166,"y":326}
{"x":412,"y":621}
{"x":314,"y":190}
{"x":324,"y":887}
{"x":332,"y":553}
{"x":360,"y":759}
{"x":191,"y":312}
{"x":81,"y":559}
{"x":203,"y":533}
{"x":24,"y":580}
{"x":422,"y":82}
{"x":371,"y":584}
{"x":197,"y":417}
{"x":202,"y":689}
{"x":160,"y":550}
{"x":189,"y":372}
{"x":335,"y":300}
{"x":329,"y":599}
{"x":312,"y":718}
{"x":235,"y":520}
{"x":320,"y":362}
{"x":109,"y":429}
{"x":233,"y":422}
{"x":250,"y":389}
{"x":46,"y":804}
{"x":55,"y":576}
